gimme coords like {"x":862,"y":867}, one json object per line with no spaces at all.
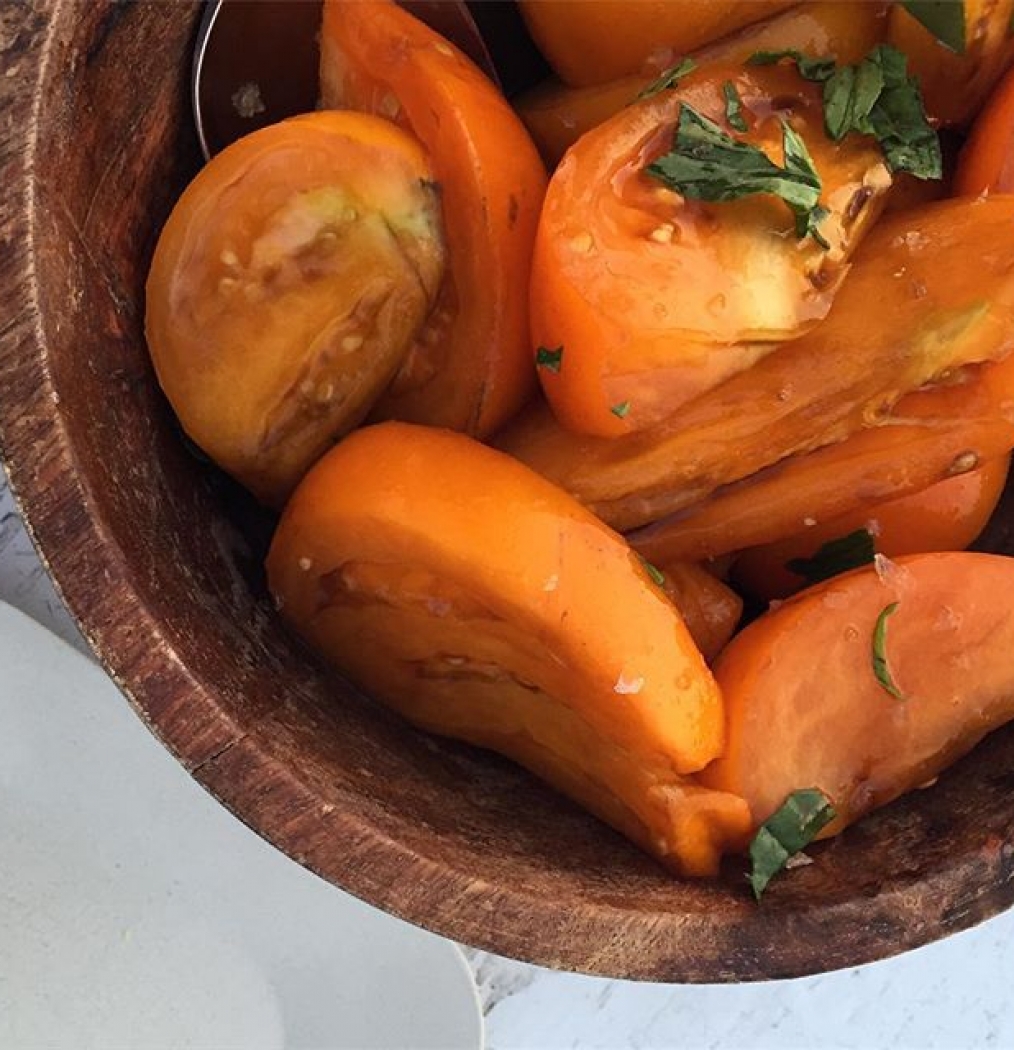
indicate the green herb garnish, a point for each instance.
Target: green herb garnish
{"x":879,"y":654}
{"x":899,"y":120}
{"x":733,"y":107}
{"x":707,"y":164}
{"x":945,"y":19}
{"x":849,"y":96}
{"x":657,"y":576}
{"x":874,"y":97}
{"x":835,"y":557}
{"x":816,"y":69}
{"x":877,"y":97}
{"x":668,"y":79}
{"x":549,"y":359}
{"x":621,"y":409}
{"x":791,"y":829}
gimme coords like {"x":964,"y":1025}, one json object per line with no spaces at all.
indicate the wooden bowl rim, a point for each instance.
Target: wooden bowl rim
{"x":609,"y":941}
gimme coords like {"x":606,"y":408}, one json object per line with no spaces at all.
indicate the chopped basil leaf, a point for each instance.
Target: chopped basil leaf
{"x":880,"y":665}
{"x":898,"y":119}
{"x":836,"y":556}
{"x":945,"y":19}
{"x":817,"y":69}
{"x":657,"y":576}
{"x":707,"y":164}
{"x":849,"y":96}
{"x":787,"y":831}
{"x":621,"y":409}
{"x":667,"y":79}
{"x":799,"y":161}
{"x":549,"y":359}
{"x":733,"y":107}
{"x":877,"y":97}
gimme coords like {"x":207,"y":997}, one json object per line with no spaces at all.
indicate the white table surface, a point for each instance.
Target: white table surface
{"x":956,"y":994}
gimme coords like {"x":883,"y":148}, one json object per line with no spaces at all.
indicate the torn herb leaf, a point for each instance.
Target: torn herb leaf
{"x":787,"y":831}
{"x":945,"y":19}
{"x":549,"y":359}
{"x":621,"y":409}
{"x":668,"y":79}
{"x":898,"y":119}
{"x":816,"y":69}
{"x":657,"y":576}
{"x":708,"y":164}
{"x":849,"y":97}
{"x":881,"y":667}
{"x":835,"y":557}
{"x":734,"y":107}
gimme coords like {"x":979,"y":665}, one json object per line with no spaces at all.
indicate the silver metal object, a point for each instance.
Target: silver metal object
{"x":256,"y":61}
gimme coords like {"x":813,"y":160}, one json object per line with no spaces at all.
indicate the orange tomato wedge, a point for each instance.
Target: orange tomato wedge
{"x":656,"y":299}
{"x":986,"y":164}
{"x":931,"y":435}
{"x":287,"y":287}
{"x":470,"y":367}
{"x":806,"y":707}
{"x":600,"y":40}
{"x":947,"y":516}
{"x":396,"y":560}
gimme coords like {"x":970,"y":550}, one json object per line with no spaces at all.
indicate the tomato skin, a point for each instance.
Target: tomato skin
{"x":470,"y":369}
{"x":287,"y":286}
{"x":656,"y":299}
{"x":947,"y":516}
{"x":986,"y":164}
{"x":612,"y":38}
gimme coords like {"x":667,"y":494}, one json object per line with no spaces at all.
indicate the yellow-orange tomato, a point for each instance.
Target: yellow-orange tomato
{"x":947,"y":516}
{"x":805,"y":706}
{"x":466,"y":592}
{"x":287,"y":286}
{"x":558,"y":115}
{"x":954,"y":86}
{"x":986,"y":164}
{"x":656,"y":299}
{"x":470,"y":368}
{"x":595,"y":41}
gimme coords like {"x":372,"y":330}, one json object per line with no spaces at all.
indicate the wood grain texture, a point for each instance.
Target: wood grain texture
{"x":159,"y":559}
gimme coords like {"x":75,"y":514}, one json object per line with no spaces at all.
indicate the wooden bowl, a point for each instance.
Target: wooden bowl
{"x":160,"y":561}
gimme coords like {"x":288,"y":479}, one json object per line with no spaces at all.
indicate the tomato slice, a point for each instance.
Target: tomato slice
{"x":470,"y":368}
{"x":656,"y":299}
{"x":930,"y":435}
{"x":286,"y":289}
{"x":947,"y":516}
{"x":396,"y":558}
{"x":805,"y":706}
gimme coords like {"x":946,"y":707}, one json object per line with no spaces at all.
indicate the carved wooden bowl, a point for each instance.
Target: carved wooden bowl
{"x":159,"y":558}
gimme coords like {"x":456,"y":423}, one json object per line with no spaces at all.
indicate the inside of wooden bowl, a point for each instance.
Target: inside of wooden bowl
{"x":160,"y":560}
